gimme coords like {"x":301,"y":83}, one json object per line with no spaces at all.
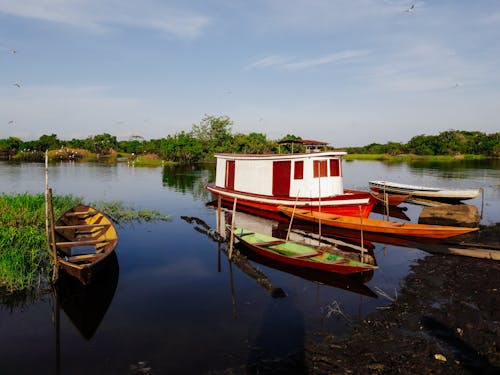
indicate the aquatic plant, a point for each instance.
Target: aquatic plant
{"x":120,"y":213}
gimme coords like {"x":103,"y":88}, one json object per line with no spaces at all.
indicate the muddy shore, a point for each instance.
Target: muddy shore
{"x":445,"y":320}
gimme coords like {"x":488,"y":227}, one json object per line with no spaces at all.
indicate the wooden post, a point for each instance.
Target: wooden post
{"x":231,"y":240}
{"x":47,"y":198}
{"x":293,"y":214}
{"x":361,"y":226}
{"x":52,"y":239}
{"x":386,"y":203}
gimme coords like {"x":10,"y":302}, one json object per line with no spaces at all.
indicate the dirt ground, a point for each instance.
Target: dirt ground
{"x":446,"y":320}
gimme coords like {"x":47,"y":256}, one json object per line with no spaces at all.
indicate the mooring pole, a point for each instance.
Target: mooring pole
{"x":52,"y":235}
{"x":47,"y":198}
{"x":293,"y":214}
{"x":361,"y":226}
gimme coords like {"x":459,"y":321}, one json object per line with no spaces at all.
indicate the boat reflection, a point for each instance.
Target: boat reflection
{"x":86,"y":305}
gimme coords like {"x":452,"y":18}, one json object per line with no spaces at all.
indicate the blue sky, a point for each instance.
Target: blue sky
{"x":349,"y":72}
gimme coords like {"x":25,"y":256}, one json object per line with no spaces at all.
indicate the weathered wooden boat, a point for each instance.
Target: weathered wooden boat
{"x":309,"y":180}
{"x":425,"y":192}
{"x":84,"y":237}
{"x":390,"y":198}
{"x":297,"y":254}
{"x":377,"y":226}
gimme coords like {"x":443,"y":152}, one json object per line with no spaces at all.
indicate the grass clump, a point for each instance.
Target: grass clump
{"x":23,"y":243}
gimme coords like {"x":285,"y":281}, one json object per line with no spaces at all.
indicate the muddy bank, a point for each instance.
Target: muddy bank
{"x":446,"y":320}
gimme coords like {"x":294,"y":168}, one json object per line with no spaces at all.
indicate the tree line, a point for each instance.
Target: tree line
{"x":214,"y":134}
{"x":450,"y":142}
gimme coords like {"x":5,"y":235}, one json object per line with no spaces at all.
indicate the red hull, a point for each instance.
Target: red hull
{"x":340,"y":205}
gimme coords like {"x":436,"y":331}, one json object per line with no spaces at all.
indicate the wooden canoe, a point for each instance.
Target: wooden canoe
{"x":377,"y":226}
{"x":84,"y":237}
{"x":297,"y":254}
{"x":392,"y":199}
{"x":425,"y":192}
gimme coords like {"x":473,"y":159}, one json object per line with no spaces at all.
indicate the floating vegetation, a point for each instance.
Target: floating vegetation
{"x":120,"y":213}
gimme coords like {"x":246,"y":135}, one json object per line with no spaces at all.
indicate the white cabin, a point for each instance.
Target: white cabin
{"x":310,"y":175}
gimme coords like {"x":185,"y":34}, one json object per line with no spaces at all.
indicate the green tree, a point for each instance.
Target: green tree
{"x":214,"y":134}
{"x":102,"y":144}
{"x":10,"y":146}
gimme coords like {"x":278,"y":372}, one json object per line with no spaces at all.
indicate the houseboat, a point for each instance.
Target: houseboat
{"x":311,"y":180}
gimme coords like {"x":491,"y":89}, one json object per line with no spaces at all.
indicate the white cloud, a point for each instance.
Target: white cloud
{"x":328,"y":59}
{"x":288,"y":63}
{"x":273,"y":60}
{"x":105,"y":15}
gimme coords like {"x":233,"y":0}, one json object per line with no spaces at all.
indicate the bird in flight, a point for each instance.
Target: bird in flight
{"x":410,"y":8}
{"x":17,"y":85}
{"x":11,"y":122}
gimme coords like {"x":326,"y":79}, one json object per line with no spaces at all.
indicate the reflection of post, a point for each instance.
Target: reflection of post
{"x":219,"y":250}
{"x":231,"y":240}
{"x":58,"y":333}
{"x":219,"y":204}
{"x":233,"y":298}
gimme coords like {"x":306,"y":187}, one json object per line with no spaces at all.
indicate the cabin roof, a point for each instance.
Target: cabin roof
{"x":315,"y":155}
{"x":305,"y":142}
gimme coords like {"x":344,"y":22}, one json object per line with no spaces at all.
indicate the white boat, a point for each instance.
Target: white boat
{"x":306,"y":180}
{"x":424,"y":191}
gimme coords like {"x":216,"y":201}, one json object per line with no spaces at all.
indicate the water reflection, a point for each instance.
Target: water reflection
{"x":86,"y":305}
{"x":189,"y":178}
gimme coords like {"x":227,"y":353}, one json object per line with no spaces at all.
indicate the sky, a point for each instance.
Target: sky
{"x":347,"y":72}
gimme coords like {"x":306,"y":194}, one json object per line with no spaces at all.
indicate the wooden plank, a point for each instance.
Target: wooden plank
{"x":476,"y":253}
{"x":84,"y":257}
{"x":78,"y":213}
{"x":83,"y":226}
{"x":268,"y":243}
{"x":306,"y":255}
{"x":85,"y":242}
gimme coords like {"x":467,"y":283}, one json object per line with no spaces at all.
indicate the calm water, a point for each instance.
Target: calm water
{"x":171,"y":301}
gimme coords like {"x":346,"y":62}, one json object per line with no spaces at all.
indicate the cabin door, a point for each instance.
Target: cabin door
{"x":281,"y":178}
{"x":229,"y":174}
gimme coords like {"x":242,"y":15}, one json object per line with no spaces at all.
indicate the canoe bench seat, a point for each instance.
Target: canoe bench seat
{"x":269,"y":243}
{"x":305,"y":255}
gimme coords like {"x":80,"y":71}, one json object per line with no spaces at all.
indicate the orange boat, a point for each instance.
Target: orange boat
{"x":376,"y":226}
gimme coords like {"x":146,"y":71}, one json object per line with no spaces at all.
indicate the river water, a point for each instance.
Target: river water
{"x":171,"y":302}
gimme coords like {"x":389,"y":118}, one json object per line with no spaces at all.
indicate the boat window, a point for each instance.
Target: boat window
{"x":320,"y":168}
{"x":334,"y":167}
{"x":298,"y":170}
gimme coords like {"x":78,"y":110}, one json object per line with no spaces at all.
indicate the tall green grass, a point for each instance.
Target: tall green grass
{"x":24,"y":257}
